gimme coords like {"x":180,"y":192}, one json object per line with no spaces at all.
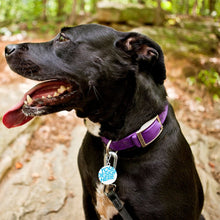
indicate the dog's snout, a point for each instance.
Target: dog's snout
{"x":10,"y":49}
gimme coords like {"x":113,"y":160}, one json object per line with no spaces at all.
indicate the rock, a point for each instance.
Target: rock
{"x":48,"y":185}
{"x":16,"y":150}
{"x":34,"y":195}
{"x":188,"y":41}
{"x":206,"y":150}
{"x":5,"y":164}
{"x":108,"y":15}
{"x":139,"y":15}
{"x":129,"y":14}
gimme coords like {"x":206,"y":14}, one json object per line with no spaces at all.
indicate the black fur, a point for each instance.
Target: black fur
{"x":120,"y":77}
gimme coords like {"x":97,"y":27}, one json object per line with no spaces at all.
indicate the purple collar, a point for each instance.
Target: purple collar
{"x":144,"y":136}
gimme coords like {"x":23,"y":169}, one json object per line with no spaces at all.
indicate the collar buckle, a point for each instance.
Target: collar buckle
{"x":143,"y":128}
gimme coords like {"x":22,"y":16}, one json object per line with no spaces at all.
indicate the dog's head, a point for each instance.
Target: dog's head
{"x":89,"y":68}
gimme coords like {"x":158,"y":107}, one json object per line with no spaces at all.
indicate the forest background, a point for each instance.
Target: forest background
{"x":189,"y":34}
{"x":33,"y":12}
{"x":187,"y":30}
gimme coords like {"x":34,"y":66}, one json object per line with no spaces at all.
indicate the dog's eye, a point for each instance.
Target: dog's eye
{"x":63,"y":38}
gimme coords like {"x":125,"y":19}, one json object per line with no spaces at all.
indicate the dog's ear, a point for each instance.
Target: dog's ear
{"x":147,"y":53}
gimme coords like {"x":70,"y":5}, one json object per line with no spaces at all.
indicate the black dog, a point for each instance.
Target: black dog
{"x":115,"y":80}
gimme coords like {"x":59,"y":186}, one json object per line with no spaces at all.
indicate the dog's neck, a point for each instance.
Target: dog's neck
{"x":149,"y":100}
{"x":143,"y":106}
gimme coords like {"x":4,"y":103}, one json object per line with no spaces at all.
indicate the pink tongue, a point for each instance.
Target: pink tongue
{"x":15,"y":117}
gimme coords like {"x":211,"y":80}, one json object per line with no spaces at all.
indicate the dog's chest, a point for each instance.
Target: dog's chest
{"x":104,"y":206}
{"x":93,"y":128}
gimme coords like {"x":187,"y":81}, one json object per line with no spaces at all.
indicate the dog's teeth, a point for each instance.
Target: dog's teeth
{"x":43,"y":97}
{"x":25,"y":102}
{"x":29,"y":99}
{"x":61,"y":89}
{"x":49,"y":96}
{"x":55,"y":94}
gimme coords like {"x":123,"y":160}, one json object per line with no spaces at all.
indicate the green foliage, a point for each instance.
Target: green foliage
{"x":16,"y":11}
{"x":191,"y":80}
{"x":167,"y":6}
{"x":208,"y":78}
{"x":211,"y":79}
{"x":192,"y":7}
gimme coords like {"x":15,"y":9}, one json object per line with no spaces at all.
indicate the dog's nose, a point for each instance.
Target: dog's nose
{"x":10,"y":49}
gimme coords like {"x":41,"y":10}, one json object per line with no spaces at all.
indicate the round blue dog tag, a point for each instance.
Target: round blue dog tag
{"x":107,"y":175}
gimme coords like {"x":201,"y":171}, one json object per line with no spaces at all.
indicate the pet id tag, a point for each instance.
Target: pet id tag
{"x":107,"y":175}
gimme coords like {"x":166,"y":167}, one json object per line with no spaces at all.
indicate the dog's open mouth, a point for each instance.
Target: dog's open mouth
{"x":44,"y":98}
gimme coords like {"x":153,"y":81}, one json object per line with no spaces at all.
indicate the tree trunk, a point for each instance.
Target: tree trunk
{"x":203,"y":8}
{"x":93,"y":5}
{"x":158,"y":20}
{"x":60,"y":7}
{"x":181,"y":7}
{"x":44,"y":13}
{"x":82,"y":6}
{"x":72,"y":17}
{"x":194,"y":11}
{"x":211,"y":6}
{"x":187,"y":7}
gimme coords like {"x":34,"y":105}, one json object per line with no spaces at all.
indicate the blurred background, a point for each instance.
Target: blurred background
{"x":38,"y":170}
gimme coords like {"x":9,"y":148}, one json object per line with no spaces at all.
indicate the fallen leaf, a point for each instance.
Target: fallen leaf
{"x":212,"y":165}
{"x":51,"y":178}
{"x":18,"y":165}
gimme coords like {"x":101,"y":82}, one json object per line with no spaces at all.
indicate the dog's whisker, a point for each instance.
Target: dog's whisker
{"x":96,"y":92}
{"x":90,"y":88}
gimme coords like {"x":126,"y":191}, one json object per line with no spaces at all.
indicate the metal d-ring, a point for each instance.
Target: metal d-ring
{"x":107,"y":146}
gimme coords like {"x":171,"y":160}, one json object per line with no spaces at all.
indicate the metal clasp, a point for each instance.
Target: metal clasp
{"x":143,"y":128}
{"x":108,"y":157}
